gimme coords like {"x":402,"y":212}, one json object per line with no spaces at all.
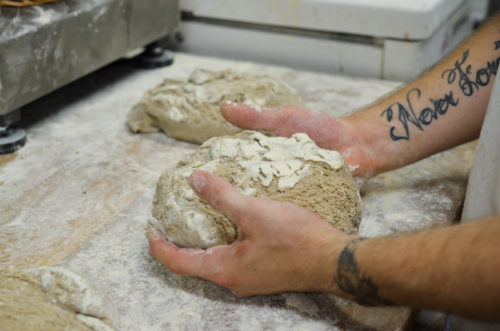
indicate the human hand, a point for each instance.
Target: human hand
{"x":281,"y":247}
{"x":328,"y":132}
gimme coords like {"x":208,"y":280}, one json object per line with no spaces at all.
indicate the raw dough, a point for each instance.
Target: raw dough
{"x":190,"y":110}
{"x":284,"y":169}
{"x":51,"y":299}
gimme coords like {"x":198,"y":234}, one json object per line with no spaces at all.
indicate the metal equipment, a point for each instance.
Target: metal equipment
{"x":11,"y":139}
{"x":45,"y":47}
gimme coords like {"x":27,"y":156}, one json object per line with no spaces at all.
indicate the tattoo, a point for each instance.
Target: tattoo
{"x":350,"y":279}
{"x":407,"y":115}
{"x":465,"y":76}
{"x":461,"y":75}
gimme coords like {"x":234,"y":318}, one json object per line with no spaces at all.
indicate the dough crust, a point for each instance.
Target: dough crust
{"x":284,"y":169}
{"x":190,"y":110}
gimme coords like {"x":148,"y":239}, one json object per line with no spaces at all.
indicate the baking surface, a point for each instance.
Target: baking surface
{"x":78,"y":195}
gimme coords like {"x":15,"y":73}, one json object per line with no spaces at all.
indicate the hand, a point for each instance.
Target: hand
{"x":281,"y":247}
{"x":328,"y":132}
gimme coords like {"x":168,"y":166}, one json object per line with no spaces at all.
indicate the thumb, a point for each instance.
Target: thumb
{"x":224,"y":198}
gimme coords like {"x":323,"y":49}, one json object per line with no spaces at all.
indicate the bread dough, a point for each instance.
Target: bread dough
{"x":284,"y":169}
{"x":190,"y":110}
{"x":51,"y":299}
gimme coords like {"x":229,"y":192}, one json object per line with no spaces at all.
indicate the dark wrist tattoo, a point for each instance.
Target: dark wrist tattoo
{"x":461,"y":75}
{"x":352,"y":281}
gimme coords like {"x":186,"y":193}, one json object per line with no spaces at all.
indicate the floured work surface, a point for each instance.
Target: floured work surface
{"x":79,"y":194}
{"x":49,"y":298}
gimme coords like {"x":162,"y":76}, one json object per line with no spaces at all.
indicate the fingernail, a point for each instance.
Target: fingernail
{"x":197,"y":181}
{"x":153,"y":235}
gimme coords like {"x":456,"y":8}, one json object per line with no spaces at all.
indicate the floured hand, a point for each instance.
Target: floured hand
{"x":281,"y":247}
{"x":328,"y":132}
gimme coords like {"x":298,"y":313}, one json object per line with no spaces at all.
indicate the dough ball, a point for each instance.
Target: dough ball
{"x":51,"y":299}
{"x":284,"y":169}
{"x":190,"y":110}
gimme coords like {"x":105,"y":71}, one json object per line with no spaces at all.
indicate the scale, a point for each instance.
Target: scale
{"x":389,"y":39}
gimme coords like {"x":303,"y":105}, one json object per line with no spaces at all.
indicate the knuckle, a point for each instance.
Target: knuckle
{"x":158,"y":251}
{"x":240,"y":216}
{"x":224,"y":190}
{"x":212,"y":197}
{"x":154,"y":244}
{"x":249,"y":209}
{"x":215,"y":193}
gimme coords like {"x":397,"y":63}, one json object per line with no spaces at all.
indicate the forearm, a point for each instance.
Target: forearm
{"x":454,"y":269}
{"x":443,"y":108}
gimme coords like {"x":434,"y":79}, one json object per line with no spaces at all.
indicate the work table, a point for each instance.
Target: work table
{"x":79,"y":194}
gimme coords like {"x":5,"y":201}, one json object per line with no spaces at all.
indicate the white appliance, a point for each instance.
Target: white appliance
{"x":392,"y":39}
{"x":479,"y":10}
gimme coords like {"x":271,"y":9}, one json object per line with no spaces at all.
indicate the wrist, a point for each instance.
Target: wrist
{"x":374,"y":154}
{"x":333,"y":249}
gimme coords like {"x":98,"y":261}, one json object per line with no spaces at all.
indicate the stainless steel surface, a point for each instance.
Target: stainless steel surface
{"x":45,"y":47}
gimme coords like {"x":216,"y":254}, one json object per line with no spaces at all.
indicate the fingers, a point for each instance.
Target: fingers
{"x":213,"y":264}
{"x":250,"y":118}
{"x":183,"y":261}
{"x":223,"y":197}
{"x":285,"y":121}
{"x":253,"y":216}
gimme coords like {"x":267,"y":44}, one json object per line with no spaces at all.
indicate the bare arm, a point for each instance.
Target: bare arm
{"x":443,"y":108}
{"x":284,"y":247}
{"x":453,"y":269}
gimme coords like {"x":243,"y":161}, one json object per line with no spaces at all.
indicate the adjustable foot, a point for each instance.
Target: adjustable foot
{"x":11,"y":139}
{"x":155,"y":56}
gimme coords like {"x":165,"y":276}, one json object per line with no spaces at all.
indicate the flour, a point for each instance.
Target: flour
{"x":52,"y":298}
{"x":102,"y":158}
{"x":284,"y":169}
{"x":190,"y":110}
{"x":282,"y":158}
{"x":44,"y":16}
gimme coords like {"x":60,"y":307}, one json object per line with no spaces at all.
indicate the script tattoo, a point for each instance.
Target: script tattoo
{"x":407,"y":114}
{"x":461,"y":76}
{"x":350,"y":279}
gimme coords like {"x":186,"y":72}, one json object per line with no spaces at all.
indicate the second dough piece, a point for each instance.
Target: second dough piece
{"x":190,"y":110}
